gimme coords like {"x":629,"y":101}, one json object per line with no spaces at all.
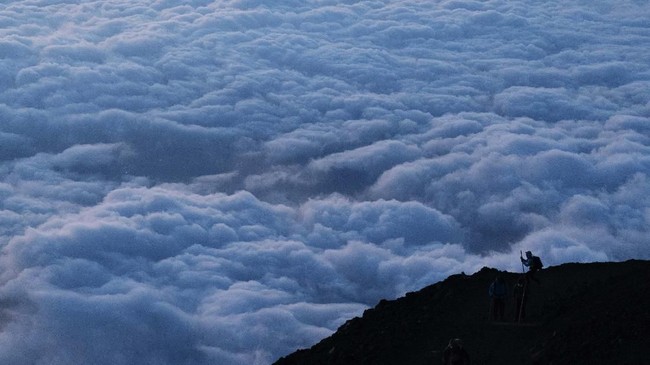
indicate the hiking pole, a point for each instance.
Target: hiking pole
{"x":523,"y":298}
{"x":522,"y":263}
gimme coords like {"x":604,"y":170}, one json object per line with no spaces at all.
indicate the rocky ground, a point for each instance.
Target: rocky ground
{"x":597,"y":313}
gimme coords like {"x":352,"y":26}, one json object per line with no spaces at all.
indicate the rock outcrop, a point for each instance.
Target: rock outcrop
{"x":597,"y":313}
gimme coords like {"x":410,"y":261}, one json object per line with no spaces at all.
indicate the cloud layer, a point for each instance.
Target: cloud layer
{"x":205,"y":182}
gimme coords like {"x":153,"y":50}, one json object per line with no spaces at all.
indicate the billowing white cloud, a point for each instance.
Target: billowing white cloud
{"x":226,"y":181}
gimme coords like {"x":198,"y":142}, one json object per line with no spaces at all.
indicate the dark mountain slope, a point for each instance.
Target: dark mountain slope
{"x":596,"y":313}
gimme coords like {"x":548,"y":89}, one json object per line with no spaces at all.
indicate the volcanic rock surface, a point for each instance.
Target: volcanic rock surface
{"x":596,"y":313}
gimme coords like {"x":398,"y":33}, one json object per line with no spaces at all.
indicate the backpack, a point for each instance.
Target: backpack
{"x":537,"y":263}
{"x":499,"y":289}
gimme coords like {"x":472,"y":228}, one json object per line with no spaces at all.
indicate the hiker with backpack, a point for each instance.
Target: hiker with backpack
{"x":498,"y":293}
{"x":534,"y":264}
{"x":455,"y":354}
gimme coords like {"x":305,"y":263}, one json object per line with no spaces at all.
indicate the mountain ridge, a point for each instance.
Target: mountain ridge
{"x":581,"y":313}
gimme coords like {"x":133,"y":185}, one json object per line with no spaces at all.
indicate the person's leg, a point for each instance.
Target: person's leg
{"x":517,"y":308}
{"x":502,"y":309}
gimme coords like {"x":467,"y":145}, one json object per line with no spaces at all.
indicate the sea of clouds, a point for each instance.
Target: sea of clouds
{"x":224,"y":182}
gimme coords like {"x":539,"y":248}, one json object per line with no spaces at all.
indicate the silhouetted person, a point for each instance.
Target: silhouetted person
{"x":534,"y":264}
{"x":455,"y":353}
{"x":498,"y":293}
{"x":520,"y":294}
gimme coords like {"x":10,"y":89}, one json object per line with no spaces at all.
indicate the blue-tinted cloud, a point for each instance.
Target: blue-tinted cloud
{"x":225,"y":181}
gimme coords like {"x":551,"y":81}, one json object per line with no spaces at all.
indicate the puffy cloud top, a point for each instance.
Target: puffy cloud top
{"x":200,"y":182}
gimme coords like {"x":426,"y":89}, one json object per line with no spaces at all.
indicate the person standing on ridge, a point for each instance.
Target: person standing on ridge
{"x":534,"y":264}
{"x":498,"y":292}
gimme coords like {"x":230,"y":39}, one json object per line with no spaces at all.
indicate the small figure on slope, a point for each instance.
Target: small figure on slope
{"x":455,"y":353}
{"x":521,"y":297}
{"x":534,"y":264}
{"x":498,"y":293}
